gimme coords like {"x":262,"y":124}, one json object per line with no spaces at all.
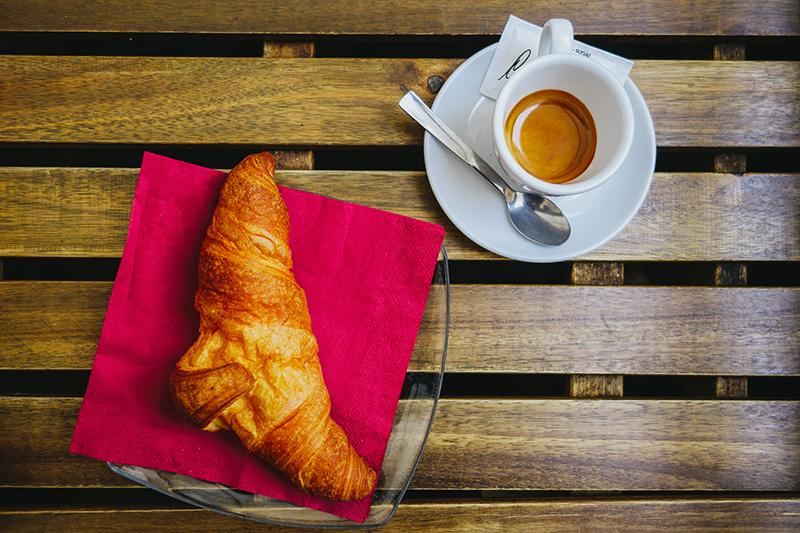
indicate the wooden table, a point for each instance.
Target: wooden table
{"x":652,"y":385}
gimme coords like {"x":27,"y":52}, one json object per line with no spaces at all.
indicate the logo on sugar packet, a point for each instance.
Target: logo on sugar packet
{"x":526,"y":55}
{"x":518,"y":45}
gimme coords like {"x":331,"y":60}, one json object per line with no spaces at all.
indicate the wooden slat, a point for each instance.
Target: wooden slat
{"x":624,"y":330}
{"x":614,"y":445}
{"x":35,"y":445}
{"x":85,"y":212}
{"x":648,"y":17}
{"x":239,"y":101}
{"x":46,"y":325}
{"x":725,"y":101}
{"x":72,"y":212}
{"x":636,"y":515}
{"x":248,"y":100}
{"x":507,"y":329}
{"x":729,"y":219}
{"x":506,"y":444}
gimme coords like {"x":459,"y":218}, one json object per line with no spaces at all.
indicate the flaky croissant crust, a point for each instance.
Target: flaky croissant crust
{"x":254,"y":368}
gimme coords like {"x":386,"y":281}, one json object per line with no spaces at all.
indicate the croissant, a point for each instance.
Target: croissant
{"x":254,"y":367}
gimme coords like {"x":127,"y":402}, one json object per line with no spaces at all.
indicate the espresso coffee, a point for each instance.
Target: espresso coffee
{"x":552,"y":135}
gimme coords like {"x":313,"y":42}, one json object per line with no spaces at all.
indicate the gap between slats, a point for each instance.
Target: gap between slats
{"x":673,"y":514}
{"x":73,"y":383}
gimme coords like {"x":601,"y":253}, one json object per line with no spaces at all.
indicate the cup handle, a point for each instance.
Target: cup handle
{"x":556,"y":37}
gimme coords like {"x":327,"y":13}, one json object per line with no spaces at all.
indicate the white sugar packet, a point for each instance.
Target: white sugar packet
{"x":519,"y":43}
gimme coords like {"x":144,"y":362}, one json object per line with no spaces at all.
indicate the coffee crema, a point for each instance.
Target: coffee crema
{"x":552,"y":135}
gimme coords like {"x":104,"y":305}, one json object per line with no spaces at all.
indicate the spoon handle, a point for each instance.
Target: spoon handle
{"x":416,"y":109}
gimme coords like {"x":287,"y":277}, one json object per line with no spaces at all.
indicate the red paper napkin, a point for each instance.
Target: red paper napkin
{"x":366,"y":274}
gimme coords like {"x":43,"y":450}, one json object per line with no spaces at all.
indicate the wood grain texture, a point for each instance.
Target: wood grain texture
{"x":288,"y":49}
{"x":51,"y":325}
{"x":495,"y":328}
{"x":754,"y":515}
{"x":286,"y":159}
{"x":730,"y":162}
{"x":731,"y":386}
{"x":293,"y":159}
{"x":730,"y":94}
{"x":613,"y":445}
{"x":322,"y":102}
{"x":649,"y":17}
{"x":624,"y":330}
{"x":730,"y":274}
{"x":219,"y":101}
{"x":596,"y":385}
{"x":731,"y":220}
{"x":85,"y":212}
{"x":592,"y":273}
{"x":35,"y":446}
{"x":506,"y":444}
{"x":729,"y":52}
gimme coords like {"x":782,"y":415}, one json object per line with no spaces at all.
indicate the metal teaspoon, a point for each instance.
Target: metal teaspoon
{"x":534,"y":216}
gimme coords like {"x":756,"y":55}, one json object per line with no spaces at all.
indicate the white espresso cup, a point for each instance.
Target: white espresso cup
{"x":557,"y":70}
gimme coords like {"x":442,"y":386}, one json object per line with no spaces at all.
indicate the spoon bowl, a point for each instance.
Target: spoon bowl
{"x":535,"y":217}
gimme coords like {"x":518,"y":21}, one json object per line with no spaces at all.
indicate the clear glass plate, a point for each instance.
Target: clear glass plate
{"x":410,"y":431}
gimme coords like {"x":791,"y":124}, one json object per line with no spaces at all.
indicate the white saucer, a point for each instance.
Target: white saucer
{"x":479,"y":211}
